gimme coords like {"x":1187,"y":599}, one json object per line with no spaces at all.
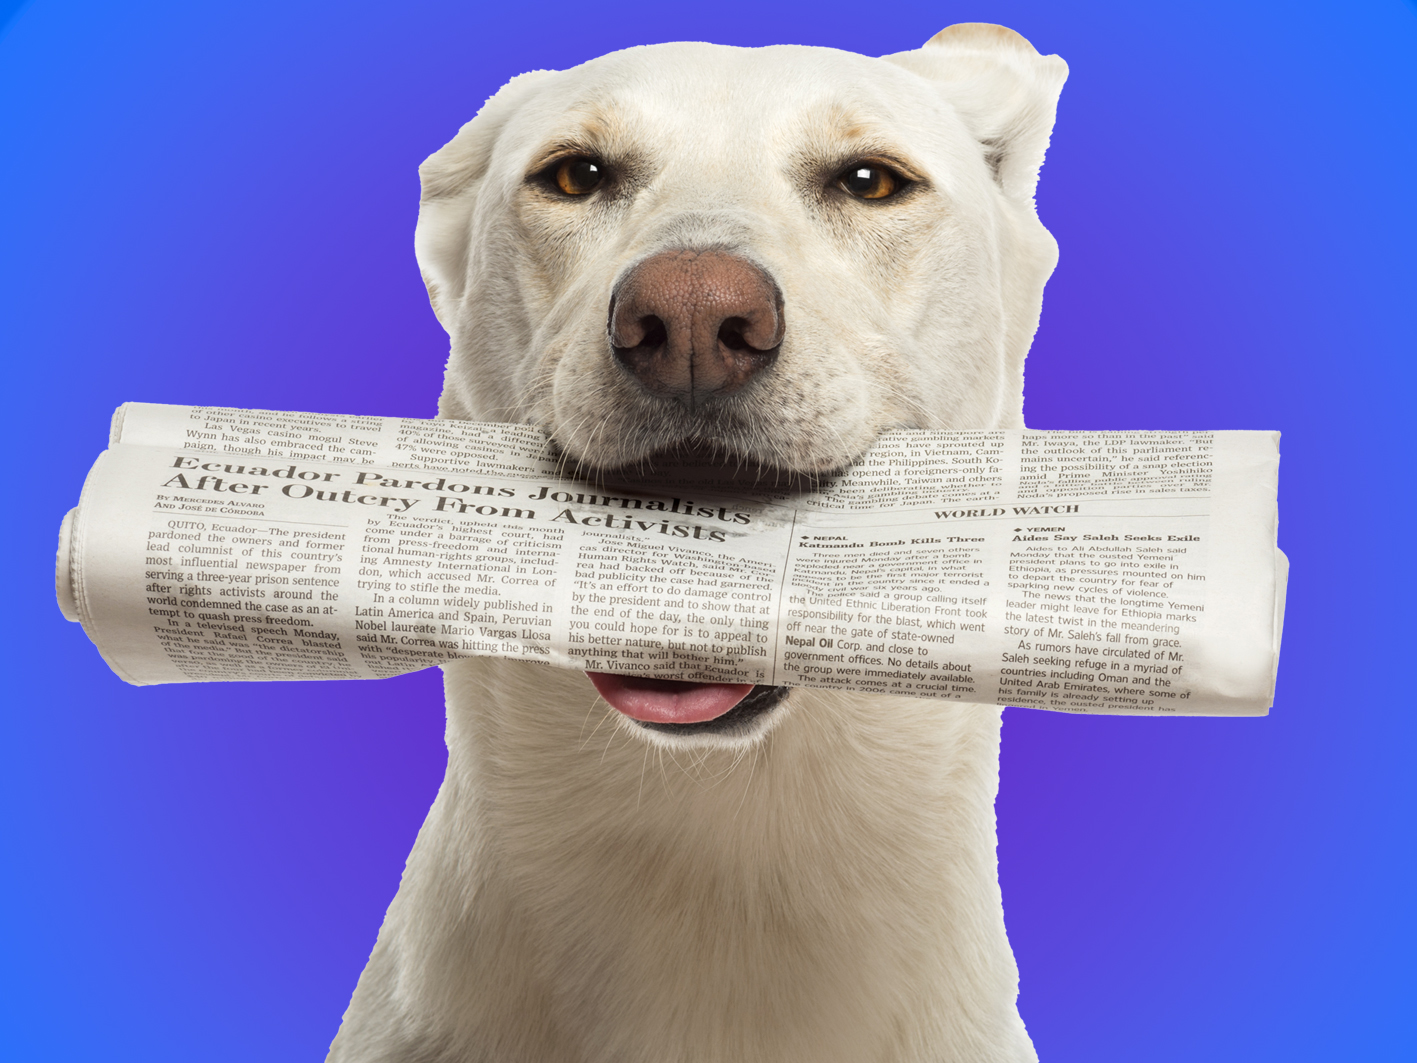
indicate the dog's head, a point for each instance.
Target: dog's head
{"x":773,"y":254}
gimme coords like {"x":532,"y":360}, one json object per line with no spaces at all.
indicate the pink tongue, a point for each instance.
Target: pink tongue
{"x":668,"y":700}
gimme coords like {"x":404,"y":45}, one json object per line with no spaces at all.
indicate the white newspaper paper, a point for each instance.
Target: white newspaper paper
{"x":1098,"y":572}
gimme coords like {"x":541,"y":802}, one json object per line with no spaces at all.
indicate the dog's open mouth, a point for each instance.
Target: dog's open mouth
{"x":680,"y":707}
{"x":668,"y":700}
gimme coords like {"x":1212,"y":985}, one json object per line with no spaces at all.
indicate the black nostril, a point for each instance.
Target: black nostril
{"x":730,"y":334}
{"x":655,"y":333}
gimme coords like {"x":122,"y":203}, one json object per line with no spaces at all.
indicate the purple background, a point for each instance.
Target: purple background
{"x":215,"y":203}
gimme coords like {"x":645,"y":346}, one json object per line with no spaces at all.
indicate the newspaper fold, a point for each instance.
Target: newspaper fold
{"x":1098,"y":572}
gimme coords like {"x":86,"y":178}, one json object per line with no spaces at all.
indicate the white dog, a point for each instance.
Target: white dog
{"x":773,"y":254}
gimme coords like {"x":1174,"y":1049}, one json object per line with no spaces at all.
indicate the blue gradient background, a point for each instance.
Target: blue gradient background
{"x":215,"y":203}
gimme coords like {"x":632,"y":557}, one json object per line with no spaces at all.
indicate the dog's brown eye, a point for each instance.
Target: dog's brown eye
{"x":869,"y":181}
{"x":578,"y":176}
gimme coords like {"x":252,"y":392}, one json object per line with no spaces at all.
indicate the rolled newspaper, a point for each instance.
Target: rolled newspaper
{"x":1098,"y":572}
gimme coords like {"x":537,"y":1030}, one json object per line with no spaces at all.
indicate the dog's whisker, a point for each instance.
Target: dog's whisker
{"x":610,"y":739}
{"x":659,"y":752}
{"x":589,"y":709}
{"x":609,"y":714}
{"x":675,"y":759}
{"x":644,"y":763}
{"x":747,"y":785}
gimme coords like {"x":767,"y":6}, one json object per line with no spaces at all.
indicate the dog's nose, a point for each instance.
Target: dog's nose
{"x":691,"y":325}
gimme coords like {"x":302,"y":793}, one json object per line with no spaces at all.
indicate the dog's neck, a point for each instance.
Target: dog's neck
{"x":824,"y":887}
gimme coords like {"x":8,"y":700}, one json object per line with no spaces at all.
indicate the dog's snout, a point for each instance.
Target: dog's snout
{"x":691,"y":325}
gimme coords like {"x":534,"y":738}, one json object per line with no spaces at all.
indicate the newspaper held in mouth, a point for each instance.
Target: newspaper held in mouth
{"x":1097,"y":572}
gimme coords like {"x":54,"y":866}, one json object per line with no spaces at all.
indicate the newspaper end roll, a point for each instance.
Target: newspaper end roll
{"x":1281,"y":591}
{"x":64,"y":569}
{"x":115,"y":426}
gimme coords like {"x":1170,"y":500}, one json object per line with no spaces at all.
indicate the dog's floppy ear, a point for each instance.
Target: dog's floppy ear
{"x":451,"y":177}
{"x":1006,"y":93}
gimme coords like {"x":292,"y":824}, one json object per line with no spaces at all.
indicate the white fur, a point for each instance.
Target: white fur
{"x":824,"y":888}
